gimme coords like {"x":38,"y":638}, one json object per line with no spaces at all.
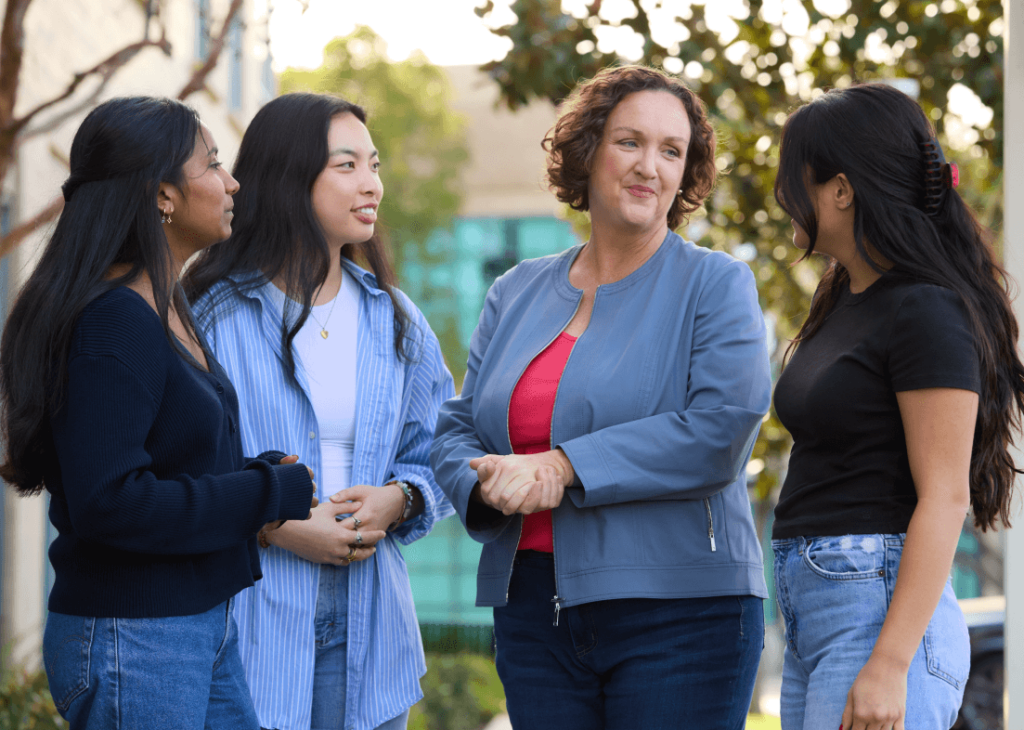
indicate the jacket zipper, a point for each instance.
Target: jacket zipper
{"x":508,"y":434}
{"x":551,"y":442}
{"x":711,"y":525}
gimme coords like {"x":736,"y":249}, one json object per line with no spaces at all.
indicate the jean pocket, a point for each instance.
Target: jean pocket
{"x":947,"y":646}
{"x":67,"y":651}
{"x":850,"y":557}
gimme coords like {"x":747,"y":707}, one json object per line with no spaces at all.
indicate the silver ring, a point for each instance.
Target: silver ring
{"x":356,"y":522}
{"x":359,"y":539}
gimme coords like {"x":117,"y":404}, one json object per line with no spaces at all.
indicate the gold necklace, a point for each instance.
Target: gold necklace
{"x":323,"y":325}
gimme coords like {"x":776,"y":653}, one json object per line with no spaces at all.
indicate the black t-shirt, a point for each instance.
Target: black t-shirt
{"x":848,"y":471}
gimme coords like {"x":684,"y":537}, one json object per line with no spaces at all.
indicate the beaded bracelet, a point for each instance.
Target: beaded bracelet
{"x":407,"y":509}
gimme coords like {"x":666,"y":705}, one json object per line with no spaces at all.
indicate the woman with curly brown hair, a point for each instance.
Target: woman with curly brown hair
{"x":599,"y":446}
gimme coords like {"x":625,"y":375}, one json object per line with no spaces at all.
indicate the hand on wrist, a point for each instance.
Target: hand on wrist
{"x":564,"y":467}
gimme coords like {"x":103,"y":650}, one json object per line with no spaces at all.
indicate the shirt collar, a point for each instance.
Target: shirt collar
{"x":251,"y":283}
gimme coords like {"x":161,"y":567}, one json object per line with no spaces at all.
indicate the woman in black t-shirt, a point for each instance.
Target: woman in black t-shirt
{"x":902,"y":396}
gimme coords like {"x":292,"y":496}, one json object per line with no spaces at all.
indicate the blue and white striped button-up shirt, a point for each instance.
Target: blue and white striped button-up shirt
{"x":396,"y":410}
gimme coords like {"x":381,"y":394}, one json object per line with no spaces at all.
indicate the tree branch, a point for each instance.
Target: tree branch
{"x":12,"y":48}
{"x":198,"y":80}
{"x":105,"y":69}
{"x":21,"y":231}
{"x":13,"y":131}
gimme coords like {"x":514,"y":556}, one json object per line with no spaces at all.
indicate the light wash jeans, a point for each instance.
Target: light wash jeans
{"x":330,"y":673}
{"x":834,"y":593}
{"x":181,"y":672}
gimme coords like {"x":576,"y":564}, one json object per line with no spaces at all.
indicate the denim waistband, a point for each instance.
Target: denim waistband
{"x":895,"y":538}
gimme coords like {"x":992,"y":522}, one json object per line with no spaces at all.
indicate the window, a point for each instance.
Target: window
{"x":234,"y":51}
{"x":202,"y":28}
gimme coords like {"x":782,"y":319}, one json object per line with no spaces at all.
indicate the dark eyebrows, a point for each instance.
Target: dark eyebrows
{"x":347,"y":151}
{"x":638,"y":133}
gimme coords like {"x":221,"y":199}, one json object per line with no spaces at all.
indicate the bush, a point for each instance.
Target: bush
{"x":460,"y":692}
{"x":25,"y":702}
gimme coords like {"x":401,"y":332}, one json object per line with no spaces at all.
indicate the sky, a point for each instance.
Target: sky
{"x":447,"y":31}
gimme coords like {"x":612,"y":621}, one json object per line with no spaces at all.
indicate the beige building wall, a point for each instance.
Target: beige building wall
{"x":505,"y":174}
{"x":64,"y":37}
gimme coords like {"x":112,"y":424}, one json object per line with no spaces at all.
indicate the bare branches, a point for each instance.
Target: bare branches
{"x":21,"y":231}
{"x":12,"y":47}
{"x":198,"y":80}
{"x":15,"y":130}
{"x":105,"y":69}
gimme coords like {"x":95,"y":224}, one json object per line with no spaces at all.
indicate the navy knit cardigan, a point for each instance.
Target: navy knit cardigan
{"x":155,"y":506}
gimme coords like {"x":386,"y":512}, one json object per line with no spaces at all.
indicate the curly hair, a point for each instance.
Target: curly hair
{"x":572,"y":142}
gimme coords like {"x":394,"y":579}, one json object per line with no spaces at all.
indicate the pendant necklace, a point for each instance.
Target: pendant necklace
{"x":323,"y":325}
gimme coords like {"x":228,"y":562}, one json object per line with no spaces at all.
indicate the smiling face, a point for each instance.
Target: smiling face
{"x":200,"y":213}
{"x":639,"y":163}
{"x":348,"y":191}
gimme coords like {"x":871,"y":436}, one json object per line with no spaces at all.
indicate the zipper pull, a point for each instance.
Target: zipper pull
{"x":711,"y":537}
{"x":558,"y":607}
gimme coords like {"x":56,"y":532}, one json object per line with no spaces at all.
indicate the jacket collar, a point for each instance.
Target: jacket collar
{"x":250,"y":284}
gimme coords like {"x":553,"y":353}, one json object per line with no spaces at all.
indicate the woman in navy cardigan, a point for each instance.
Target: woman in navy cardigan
{"x":112,"y":403}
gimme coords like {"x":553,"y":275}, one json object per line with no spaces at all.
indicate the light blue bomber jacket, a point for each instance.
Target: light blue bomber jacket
{"x":657,"y":409}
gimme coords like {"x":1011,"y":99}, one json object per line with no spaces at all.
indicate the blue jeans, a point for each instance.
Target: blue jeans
{"x":834,"y":593}
{"x":181,"y":672}
{"x":629,"y":663}
{"x":330,"y":673}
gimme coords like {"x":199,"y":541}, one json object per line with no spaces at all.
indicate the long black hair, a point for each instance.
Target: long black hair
{"x":275,"y":229}
{"x":122,"y":152}
{"x":910,"y":213}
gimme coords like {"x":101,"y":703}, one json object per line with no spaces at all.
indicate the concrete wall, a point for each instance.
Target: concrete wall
{"x":505,"y":174}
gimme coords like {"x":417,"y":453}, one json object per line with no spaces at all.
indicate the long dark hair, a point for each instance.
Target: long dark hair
{"x":122,"y":152}
{"x":905,"y":207}
{"x":275,"y":229}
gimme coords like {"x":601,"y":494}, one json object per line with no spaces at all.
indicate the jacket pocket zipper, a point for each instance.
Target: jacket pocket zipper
{"x":711,"y":525}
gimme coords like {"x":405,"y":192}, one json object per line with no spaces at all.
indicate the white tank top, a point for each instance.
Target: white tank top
{"x":330,"y":365}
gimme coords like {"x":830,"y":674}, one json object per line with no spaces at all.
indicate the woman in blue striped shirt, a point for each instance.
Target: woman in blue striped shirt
{"x":335,"y":364}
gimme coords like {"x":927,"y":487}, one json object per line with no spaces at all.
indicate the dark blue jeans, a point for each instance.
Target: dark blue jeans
{"x":657,"y":664}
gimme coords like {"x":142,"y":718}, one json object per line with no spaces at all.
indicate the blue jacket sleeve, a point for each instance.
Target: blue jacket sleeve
{"x":456,"y":441}
{"x":700,"y":449}
{"x":430,"y":385}
{"x":113,"y":497}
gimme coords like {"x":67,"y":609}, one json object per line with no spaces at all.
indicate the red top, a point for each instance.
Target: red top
{"x":529,"y":425}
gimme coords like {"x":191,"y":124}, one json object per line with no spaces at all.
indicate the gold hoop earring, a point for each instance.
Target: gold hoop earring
{"x":165,"y":217}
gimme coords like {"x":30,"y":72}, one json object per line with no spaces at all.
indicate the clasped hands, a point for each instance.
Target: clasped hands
{"x":366,"y":512}
{"x":523,"y":483}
